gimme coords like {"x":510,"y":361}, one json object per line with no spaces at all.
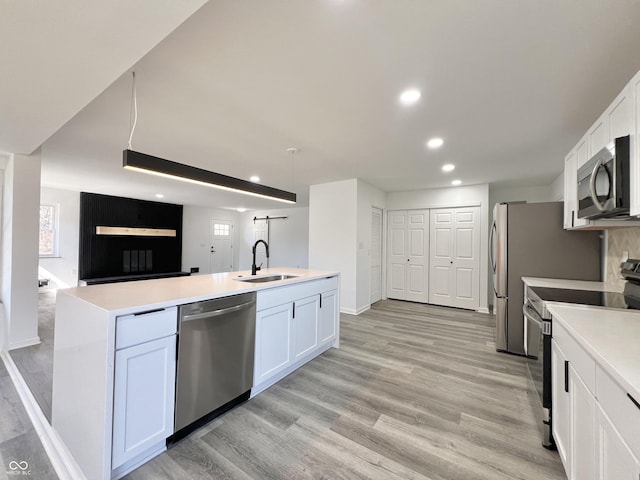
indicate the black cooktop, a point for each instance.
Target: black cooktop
{"x":584,"y":297}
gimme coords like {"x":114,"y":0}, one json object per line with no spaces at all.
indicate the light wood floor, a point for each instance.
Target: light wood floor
{"x":414,"y":392}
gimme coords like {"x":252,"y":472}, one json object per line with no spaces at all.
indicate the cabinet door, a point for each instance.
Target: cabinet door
{"x":273,"y":341}
{"x":328,"y":322}
{"x":634,"y":164}
{"x":305,"y":326}
{"x":571,"y":163}
{"x":598,"y":135}
{"x":583,"y":443}
{"x":614,"y":460}
{"x":620,"y":115}
{"x":561,"y":413}
{"x":143,"y":402}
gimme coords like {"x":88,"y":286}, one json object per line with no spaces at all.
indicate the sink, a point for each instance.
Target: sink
{"x":266,"y":278}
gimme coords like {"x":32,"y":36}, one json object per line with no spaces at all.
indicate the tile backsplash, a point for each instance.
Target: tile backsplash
{"x":619,"y":241}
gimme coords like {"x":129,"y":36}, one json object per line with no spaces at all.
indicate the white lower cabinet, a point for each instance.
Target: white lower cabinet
{"x":596,"y":425}
{"x":328,"y":321}
{"x":144,"y":387}
{"x":614,"y":459}
{"x":273,"y":341}
{"x":573,"y":410}
{"x":293,"y":324}
{"x":305,"y":326}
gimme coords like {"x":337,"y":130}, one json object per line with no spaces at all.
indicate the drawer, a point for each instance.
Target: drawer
{"x":580,"y":360}
{"x":620,"y":409}
{"x":145,"y":326}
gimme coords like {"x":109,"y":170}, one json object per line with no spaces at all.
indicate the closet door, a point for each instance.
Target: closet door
{"x":454,"y":272}
{"x":408,"y":252}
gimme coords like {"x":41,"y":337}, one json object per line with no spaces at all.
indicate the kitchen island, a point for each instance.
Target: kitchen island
{"x":115,"y":343}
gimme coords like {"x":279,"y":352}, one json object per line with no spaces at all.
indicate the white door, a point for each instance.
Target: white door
{"x":221,"y":259}
{"x":407,"y":257}
{"x":417,"y":254}
{"x":454,"y":273}
{"x":376,"y":255}
{"x":397,"y":255}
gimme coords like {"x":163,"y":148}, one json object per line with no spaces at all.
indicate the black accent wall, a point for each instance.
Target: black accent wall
{"x":105,"y":256}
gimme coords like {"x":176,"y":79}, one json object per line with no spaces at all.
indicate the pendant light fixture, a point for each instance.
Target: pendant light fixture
{"x":141,"y":162}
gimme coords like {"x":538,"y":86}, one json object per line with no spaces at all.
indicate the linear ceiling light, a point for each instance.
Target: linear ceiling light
{"x":141,"y":162}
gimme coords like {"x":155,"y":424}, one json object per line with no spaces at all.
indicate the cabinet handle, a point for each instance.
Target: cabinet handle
{"x":566,"y":376}
{"x":294,"y":310}
{"x":573,"y":217}
{"x":147,"y":312}
{"x":635,"y":402}
{"x":320,"y":300}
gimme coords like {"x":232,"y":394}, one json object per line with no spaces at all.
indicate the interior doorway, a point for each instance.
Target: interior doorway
{"x":375,"y":280}
{"x":221,"y":257}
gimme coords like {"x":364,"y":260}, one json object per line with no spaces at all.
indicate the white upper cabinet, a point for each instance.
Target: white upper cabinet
{"x":634,"y":167}
{"x":621,"y":118}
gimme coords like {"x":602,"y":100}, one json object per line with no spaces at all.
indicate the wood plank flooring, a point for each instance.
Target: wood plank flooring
{"x":414,"y":392}
{"x":35,"y":363}
{"x":19,"y":443}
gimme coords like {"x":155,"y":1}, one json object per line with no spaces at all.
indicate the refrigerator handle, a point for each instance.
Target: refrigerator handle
{"x":491,"y":247}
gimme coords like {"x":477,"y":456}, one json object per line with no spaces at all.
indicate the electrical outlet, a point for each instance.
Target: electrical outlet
{"x":195,"y":269}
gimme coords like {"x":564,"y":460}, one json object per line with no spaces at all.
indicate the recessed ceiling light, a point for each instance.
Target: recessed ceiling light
{"x":255,"y":178}
{"x":159,"y":195}
{"x":410,"y":96}
{"x":241,"y":209}
{"x":448,"y":167}
{"x":455,"y":183}
{"x":435,"y":143}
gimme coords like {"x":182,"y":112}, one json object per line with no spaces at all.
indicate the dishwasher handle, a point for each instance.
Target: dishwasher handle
{"x":216,"y":313}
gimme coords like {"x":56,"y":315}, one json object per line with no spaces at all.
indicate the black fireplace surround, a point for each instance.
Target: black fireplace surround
{"x":108,"y":258}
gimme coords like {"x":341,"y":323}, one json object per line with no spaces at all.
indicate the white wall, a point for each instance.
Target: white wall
{"x":20,"y":227}
{"x":368,"y":197}
{"x":454,"y":197}
{"x":527,"y":194}
{"x":340,"y":236}
{"x":288,"y":238}
{"x":333,"y":227}
{"x":63,"y":269}
{"x":557,"y":188}
{"x":196,"y":236}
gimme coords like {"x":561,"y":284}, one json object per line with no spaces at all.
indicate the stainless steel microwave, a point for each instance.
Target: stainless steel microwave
{"x":603,"y":182}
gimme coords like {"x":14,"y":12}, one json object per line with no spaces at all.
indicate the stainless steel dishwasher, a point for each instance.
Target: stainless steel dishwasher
{"x":215,"y":358}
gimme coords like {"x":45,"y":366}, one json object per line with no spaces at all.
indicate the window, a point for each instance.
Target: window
{"x":48,"y":230}
{"x":221,"y":230}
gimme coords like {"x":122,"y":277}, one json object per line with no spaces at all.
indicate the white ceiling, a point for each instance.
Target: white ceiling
{"x":510,"y":86}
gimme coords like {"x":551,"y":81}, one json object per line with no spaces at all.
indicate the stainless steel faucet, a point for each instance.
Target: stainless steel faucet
{"x":254,"y":269}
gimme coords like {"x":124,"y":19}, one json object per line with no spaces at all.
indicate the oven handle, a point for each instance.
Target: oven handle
{"x":531,"y":313}
{"x":592,"y":186}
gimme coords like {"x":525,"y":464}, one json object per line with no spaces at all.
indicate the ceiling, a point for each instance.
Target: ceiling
{"x":509,"y":85}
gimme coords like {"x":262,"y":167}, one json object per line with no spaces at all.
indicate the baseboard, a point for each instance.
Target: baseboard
{"x":62,"y":461}
{"x":483,"y":310}
{"x":25,"y":343}
{"x":358,"y":311}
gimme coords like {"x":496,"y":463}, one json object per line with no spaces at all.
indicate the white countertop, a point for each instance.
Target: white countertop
{"x":611,"y":337}
{"x":572,"y":284}
{"x":128,"y":297}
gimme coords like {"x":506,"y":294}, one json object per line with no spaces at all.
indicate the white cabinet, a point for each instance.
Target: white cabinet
{"x":561,"y":405}
{"x":634,"y":167}
{"x":621,"y":118}
{"x":328,"y":321}
{"x":614,"y":459}
{"x":574,"y":405}
{"x":293,"y":325}
{"x":305,"y":326}
{"x":144,"y":394}
{"x":144,"y":386}
{"x":273,"y":341}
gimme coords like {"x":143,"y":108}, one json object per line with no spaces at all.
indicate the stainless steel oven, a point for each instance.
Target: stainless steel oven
{"x":537,"y":345}
{"x":603,"y":182}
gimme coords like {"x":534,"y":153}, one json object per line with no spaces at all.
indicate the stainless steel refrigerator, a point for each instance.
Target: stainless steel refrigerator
{"x":528,"y":240}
